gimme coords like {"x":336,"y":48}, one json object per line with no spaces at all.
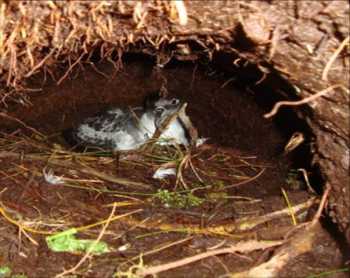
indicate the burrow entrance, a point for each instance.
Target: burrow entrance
{"x":242,"y":172}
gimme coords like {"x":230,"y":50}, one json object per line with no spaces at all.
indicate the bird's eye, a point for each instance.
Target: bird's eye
{"x":159,"y":110}
{"x":175,"y":101}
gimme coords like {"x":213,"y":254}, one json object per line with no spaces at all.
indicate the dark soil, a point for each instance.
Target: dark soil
{"x":242,"y":170}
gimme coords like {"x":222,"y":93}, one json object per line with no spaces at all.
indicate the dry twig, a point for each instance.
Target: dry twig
{"x":242,"y":247}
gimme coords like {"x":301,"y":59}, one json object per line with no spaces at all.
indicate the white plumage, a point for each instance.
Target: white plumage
{"x":128,"y":129}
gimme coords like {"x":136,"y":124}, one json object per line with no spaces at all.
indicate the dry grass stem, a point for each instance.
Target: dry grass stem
{"x":167,"y":123}
{"x":164,"y":246}
{"x":250,"y":223}
{"x":84,"y":169}
{"x":4,"y":115}
{"x":181,"y":11}
{"x":247,"y":180}
{"x":88,"y":253}
{"x":321,"y":206}
{"x":333,"y":57}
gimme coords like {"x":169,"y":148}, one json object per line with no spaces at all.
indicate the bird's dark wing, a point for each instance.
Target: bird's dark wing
{"x":112,"y":120}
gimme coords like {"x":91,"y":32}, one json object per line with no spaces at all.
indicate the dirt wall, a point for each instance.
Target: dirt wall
{"x":306,"y":42}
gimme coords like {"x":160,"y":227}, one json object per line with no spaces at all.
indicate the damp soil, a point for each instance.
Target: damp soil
{"x":239,"y":172}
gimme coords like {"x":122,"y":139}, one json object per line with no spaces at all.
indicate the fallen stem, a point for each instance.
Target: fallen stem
{"x":243,"y":247}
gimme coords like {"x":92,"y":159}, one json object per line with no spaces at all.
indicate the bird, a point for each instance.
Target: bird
{"x":123,"y":129}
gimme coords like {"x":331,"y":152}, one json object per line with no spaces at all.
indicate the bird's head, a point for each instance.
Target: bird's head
{"x":161,"y":107}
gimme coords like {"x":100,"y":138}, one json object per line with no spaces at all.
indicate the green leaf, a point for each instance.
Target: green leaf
{"x":67,"y":242}
{"x":5,"y":271}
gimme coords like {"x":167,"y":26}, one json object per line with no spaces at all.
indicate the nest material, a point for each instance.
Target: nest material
{"x":38,"y":35}
{"x":206,"y":175}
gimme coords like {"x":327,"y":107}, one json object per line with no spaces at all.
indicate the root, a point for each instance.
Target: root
{"x":242,"y":247}
{"x":303,"y":101}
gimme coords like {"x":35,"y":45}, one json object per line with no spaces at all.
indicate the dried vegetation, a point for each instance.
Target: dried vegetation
{"x":120,"y":202}
{"x":205,"y":185}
